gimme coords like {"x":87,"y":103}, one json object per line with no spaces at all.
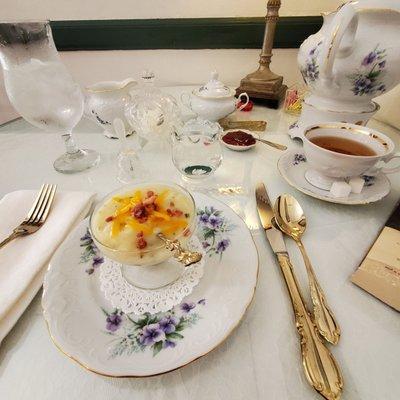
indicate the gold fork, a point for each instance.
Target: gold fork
{"x":37,"y":214}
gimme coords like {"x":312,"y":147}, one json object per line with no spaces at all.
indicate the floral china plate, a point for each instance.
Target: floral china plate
{"x":293,"y":164}
{"x":86,"y":328}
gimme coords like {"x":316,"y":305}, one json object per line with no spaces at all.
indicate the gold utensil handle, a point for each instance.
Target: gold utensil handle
{"x":8,"y":239}
{"x":259,"y":126}
{"x":272,"y":144}
{"x":320,"y":367}
{"x":323,"y":315}
{"x":184,"y":256}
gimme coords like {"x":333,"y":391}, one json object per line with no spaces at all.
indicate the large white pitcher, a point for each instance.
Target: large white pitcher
{"x":354,"y":57}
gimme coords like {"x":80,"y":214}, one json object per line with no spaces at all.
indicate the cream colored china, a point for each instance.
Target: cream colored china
{"x":293,"y":166}
{"x":311,"y":115}
{"x":106,"y":101}
{"x":88,"y":329}
{"x":354,"y":57}
{"x":337,"y":165}
{"x":236,"y":147}
{"x":214,"y":100}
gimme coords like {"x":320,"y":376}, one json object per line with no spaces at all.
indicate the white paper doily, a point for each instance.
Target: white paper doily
{"x":131,"y":299}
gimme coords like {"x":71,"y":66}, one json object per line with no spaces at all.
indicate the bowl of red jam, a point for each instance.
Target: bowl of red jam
{"x":238,"y":139}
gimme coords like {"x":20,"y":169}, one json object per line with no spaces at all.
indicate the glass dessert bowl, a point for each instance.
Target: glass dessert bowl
{"x":132,"y":224}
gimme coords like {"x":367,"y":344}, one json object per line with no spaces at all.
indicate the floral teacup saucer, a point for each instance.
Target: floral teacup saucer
{"x":103,"y":339}
{"x":293,"y":166}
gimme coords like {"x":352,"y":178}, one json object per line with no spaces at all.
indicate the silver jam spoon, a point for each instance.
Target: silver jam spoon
{"x":291,"y":220}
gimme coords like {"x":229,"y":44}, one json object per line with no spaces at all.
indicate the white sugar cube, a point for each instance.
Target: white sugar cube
{"x":356,"y":184}
{"x":340,"y":189}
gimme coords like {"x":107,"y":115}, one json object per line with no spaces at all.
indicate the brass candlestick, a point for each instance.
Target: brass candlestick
{"x":263,"y":84}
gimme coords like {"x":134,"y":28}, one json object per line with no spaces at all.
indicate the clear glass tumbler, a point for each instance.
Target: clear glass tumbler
{"x":196,"y":150}
{"x":41,"y":89}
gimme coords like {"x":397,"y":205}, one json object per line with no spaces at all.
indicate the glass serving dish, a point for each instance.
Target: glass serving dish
{"x":151,"y":112}
{"x":117,"y":231}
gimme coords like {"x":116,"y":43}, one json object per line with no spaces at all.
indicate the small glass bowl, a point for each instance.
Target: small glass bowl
{"x":196,"y":150}
{"x":153,"y":255}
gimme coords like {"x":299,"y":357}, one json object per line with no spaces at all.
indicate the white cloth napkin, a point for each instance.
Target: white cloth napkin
{"x":24,"y":260}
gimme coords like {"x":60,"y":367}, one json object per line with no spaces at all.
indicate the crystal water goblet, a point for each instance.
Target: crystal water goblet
{"x":41,"y":89}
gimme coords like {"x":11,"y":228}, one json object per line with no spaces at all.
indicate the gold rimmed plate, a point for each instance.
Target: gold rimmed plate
{"x":85,"y":327}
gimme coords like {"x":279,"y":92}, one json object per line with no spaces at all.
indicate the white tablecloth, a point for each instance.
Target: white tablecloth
{"x":261,"y":359}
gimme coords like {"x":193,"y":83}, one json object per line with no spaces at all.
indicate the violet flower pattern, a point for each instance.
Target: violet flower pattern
{"x":298,"y":158}
{"x":151,"y":334}
{"x":90,"y":253}
{"x":161,"y":331}
{"x":213,"y":231}
{"x":368,"y":78}
{"x":369,"y":180}
{"x":113,"y":321}
{"x":310,"y":71}
{"x":187,"y":307}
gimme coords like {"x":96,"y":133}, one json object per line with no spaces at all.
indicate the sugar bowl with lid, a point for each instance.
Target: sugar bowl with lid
{"x":214,"y":100}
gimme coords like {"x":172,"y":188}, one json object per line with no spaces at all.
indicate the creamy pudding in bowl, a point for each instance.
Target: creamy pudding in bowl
{"x":125,"y":224}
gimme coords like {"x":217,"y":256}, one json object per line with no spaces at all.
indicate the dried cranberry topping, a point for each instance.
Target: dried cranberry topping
{"x":140,"y":212}
{"x":174,"y":213}
{"x":141,"y":243}
{"x":150,"y":200}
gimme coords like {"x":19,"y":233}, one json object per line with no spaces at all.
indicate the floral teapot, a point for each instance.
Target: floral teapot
{"x":213,"y":100}
{"x":354,"y":57}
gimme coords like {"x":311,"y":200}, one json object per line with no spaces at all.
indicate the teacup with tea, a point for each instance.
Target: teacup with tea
{"x":340,"y":150}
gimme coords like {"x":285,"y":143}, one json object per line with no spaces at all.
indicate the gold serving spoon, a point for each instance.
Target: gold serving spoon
{"x":184,"y":256}
{"x":291,"y":220}
{"x":272,"y":144}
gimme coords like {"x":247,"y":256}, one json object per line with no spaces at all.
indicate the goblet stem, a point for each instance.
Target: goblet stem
{"x":70,"y":144}
{"x":75,"y":159}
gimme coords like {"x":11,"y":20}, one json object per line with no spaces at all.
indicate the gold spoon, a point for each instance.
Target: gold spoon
{"x":272,"y":144}
{"x":184,"y":256}
{"x":291,"y":220}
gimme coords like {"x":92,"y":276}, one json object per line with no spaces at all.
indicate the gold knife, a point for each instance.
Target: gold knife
{"x":319,"y":365}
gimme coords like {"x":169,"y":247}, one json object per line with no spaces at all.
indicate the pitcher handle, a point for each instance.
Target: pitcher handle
{"x":247,"y":100}
{"x":330,"y":47}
